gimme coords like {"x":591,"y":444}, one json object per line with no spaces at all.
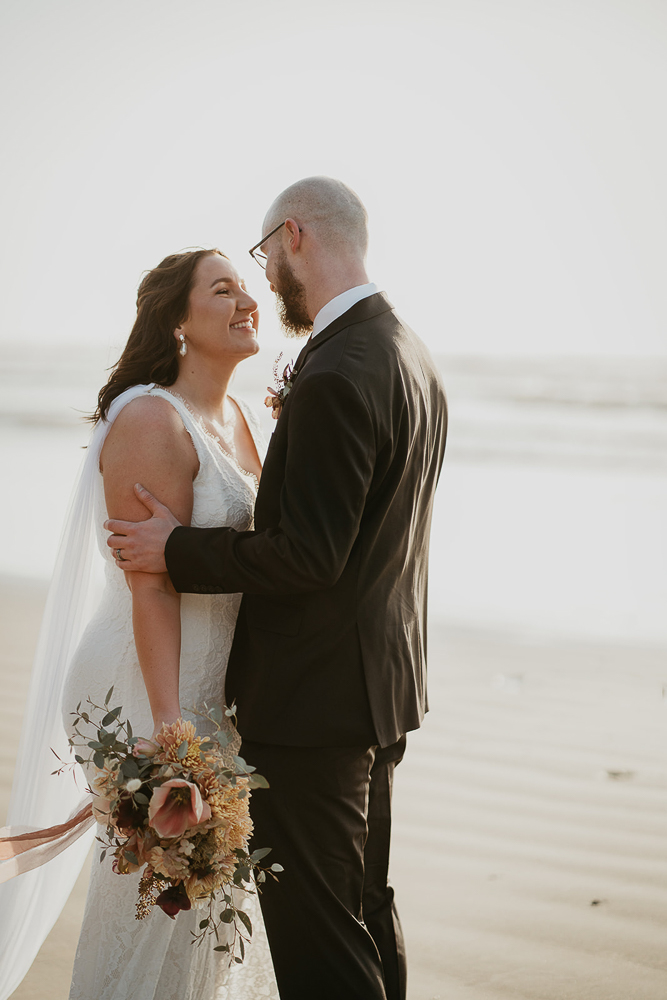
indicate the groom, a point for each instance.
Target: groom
{"x":328,"y":663}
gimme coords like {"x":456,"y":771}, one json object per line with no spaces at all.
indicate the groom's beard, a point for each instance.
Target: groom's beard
{"x":291,"y":301}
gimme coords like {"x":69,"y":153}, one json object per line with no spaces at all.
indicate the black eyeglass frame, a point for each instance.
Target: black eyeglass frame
{"x":261,"y":257}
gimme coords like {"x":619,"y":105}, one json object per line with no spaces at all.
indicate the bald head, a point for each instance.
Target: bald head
{"x":331,"y":208}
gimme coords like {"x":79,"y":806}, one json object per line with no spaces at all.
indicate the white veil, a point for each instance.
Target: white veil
{"x":31,"y":902}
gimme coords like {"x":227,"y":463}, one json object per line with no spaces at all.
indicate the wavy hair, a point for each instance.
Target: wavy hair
{"x":151,"y":352}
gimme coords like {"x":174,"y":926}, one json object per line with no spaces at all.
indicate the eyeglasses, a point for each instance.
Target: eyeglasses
{"x":261,"y":257}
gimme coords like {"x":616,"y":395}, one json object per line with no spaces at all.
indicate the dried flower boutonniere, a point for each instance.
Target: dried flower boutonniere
{"x":284,"y":383}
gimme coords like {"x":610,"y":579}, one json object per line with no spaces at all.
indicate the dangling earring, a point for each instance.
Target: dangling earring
{"x":183,"y":349}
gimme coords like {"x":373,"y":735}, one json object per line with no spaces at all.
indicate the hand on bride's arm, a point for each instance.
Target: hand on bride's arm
{"x":148,"y":443}
{"x":139,"y":545}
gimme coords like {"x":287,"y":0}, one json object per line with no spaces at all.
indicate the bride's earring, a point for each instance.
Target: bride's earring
{"x":183,"y":349}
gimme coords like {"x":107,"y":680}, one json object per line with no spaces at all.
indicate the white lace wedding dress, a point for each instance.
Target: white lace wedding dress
{"x":119,"y":957}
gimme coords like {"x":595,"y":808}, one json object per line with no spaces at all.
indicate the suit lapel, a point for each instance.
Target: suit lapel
{"x":372,"y":305}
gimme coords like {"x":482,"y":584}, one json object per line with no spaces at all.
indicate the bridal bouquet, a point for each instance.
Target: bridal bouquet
{"x":176,"y":809}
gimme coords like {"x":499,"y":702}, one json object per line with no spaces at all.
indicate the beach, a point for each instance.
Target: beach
{"x":529,"y":825}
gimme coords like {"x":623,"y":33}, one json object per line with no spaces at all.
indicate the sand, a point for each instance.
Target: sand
{"x":530,"y":825}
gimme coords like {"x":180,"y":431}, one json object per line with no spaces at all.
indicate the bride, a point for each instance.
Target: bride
{"x":166,"y":419}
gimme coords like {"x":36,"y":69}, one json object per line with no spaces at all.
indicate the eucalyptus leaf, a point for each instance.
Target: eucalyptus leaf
{"x":227,"y":916}
{"x":109,"y":693}
{"x":245,"y":920}
{"x":242,"y":947}
{"x":98,"y":759}
{"x":130,"y":768}
{"x":129,"y":729}
{"x":131,"y":857}
{"x":258,"y":781}
{"x":141,"y":798}
{"x":203,"y":923}
{"x":183,"y":750}
{"x":79,"y":759}
{"x":277,"y":868}
{"x":260,"y":853}
{"x":221,"y":947}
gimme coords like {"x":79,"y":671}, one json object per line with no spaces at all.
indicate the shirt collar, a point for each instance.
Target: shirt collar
{"x":340,"y":304}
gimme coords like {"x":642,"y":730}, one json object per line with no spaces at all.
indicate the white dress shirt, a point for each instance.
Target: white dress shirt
{"x":340,"y":304}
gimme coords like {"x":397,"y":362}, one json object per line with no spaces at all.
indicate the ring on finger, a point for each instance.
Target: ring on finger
{"x":119,"y":556}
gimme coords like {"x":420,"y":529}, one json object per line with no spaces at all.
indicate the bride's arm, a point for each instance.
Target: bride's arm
{"x":148,"y":443}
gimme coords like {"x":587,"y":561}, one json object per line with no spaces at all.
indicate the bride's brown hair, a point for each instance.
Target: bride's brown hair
{"x":151,"y":352}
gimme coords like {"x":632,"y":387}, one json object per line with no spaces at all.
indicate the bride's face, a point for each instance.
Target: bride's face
{"x":222,"y":316}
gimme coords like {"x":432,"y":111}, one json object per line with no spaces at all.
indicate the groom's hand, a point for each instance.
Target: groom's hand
{"x":139,"y":545}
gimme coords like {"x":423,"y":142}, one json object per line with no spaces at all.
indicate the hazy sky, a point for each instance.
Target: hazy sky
{"x":512,"y":155}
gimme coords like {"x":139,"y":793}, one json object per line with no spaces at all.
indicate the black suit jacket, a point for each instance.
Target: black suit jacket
{"x":330,"y":641}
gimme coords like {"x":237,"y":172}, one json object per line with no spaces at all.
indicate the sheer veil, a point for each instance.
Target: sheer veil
{"x":31,"y":902}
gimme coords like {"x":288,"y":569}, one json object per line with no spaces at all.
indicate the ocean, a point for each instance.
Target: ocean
{"x":549,"y":517}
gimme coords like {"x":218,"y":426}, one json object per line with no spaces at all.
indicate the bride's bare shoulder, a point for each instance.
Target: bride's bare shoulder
{"x":149,"y":408}
{"x":152,"y":424}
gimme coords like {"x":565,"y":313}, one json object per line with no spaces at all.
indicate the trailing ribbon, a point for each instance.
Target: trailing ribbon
{"x":22,"y":851}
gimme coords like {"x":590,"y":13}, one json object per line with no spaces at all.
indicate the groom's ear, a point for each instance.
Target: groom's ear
{"x":293,"y":234}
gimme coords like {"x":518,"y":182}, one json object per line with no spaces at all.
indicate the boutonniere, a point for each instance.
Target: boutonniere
{"x":284,"y":384}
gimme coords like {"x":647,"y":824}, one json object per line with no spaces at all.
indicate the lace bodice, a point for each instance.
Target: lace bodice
{"x":120,"y":958}
{"x":222,"y":495}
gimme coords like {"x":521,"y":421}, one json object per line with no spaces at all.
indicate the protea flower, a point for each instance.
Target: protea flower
{"x":175,"y":807}
{"x":173,"y":899}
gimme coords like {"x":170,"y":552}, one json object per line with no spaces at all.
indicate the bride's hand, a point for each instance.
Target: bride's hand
{"x":165,"y":719}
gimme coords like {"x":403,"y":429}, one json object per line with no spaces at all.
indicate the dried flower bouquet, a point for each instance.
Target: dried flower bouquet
{"x":178,"y":809}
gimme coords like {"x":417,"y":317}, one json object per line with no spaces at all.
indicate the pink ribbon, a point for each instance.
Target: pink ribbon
{"x":21,"y":852}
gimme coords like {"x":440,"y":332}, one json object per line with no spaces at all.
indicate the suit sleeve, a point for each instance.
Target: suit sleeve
{"x":329,"y":467}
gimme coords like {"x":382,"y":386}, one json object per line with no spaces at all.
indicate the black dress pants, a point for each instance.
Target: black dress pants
{"x":331,"y":921}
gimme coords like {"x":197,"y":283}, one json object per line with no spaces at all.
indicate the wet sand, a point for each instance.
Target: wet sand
{"x":530,"y":825}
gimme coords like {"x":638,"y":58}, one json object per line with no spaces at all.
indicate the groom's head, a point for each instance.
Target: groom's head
{"x":318,"y":249}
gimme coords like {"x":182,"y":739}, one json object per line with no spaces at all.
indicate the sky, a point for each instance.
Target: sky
{"x":512,"y":155}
